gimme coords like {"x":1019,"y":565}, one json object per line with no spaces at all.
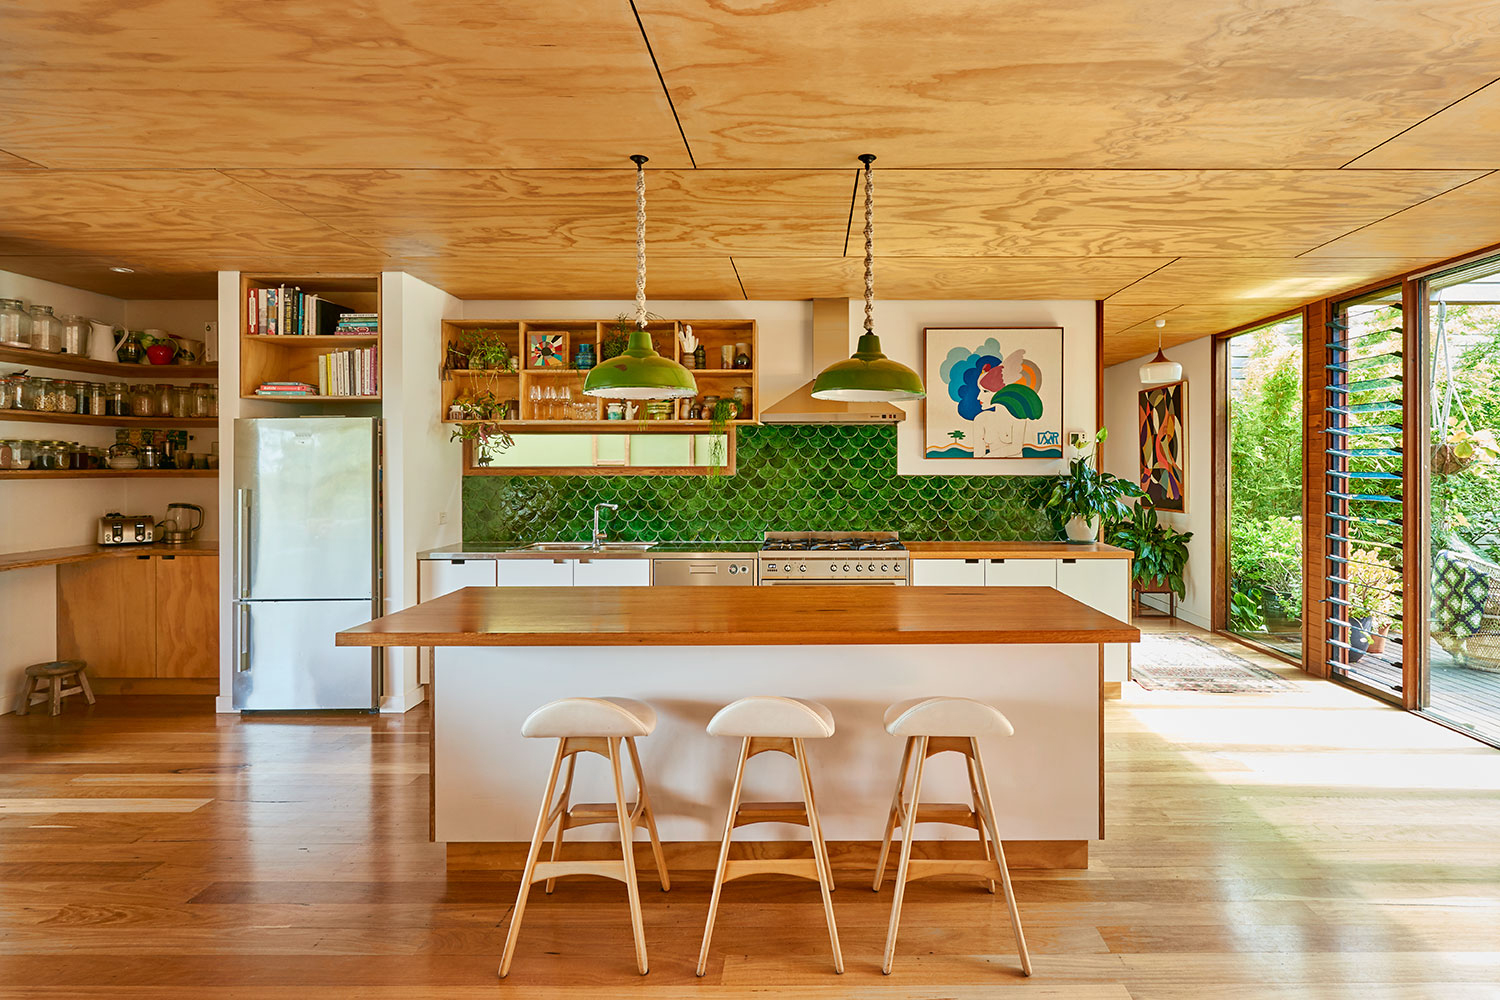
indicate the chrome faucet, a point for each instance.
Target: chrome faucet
{"x":599,"y":535}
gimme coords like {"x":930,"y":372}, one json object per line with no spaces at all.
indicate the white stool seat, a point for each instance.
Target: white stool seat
{"x":616,"y":717}
{"x":770,"y":716}
{"x":946,"y":717}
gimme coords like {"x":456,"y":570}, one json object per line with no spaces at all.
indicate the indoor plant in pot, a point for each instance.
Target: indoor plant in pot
{"x":1161,"y":552}
{"x":1086,"y":498}
{"x":1371,"y":592}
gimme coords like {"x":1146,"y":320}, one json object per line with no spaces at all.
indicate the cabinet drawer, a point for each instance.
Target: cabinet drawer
{"x":444,"y":576}
{"x":533,"y":572}
{"x":1020,"y":572}
{"x":612,"y":573}
{"x":947,"y":573}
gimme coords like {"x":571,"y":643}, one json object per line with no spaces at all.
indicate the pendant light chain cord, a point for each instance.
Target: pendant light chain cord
{"x":869,"y":250}
{"x":640,"y":246}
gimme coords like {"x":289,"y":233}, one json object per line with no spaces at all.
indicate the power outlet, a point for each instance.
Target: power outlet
{"x":442,"y":517}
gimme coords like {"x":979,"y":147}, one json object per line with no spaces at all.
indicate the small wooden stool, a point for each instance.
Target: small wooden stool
{"x":605,"y":726}
{"x":767,"y":724}
{"x":46,"y":682}
{"x":933,"y":726}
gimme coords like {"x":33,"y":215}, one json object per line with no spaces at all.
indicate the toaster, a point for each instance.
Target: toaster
{"x":127,"y":529}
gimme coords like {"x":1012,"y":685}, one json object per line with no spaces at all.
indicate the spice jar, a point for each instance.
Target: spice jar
{"x":75,"y":397}
{"x":46,"y":330}
{"x":15,"y":324}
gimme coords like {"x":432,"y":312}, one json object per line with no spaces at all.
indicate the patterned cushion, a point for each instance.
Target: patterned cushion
{"x":1461,"y":588}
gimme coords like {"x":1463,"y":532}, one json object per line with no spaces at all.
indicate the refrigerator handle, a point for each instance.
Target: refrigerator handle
{"x":242,"y":636}
{"x":242,"y":543}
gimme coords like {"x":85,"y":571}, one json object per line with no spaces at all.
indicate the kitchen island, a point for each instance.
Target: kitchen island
{"x":502,"y":652}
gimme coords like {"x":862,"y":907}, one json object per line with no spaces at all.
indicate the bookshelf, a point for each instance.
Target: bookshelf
{"x":549,"y":398}
{"x":294,"y":357}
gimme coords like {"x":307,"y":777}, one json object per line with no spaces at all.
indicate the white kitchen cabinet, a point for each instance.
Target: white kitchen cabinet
{"x":947,"y":573}
{"x":533,"y":572}
{"x":1020,"y":572}
{"x":1102,"y":584}
{"x":612,"y":573}
{"x":443,"y":576}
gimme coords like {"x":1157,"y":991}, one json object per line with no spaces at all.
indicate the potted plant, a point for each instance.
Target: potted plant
{"x":1086,"y":498}
{"x":1372,"y":594}
{"x":486,"y":350}
{"x":1161,"y":552}
{"x":483,"y":411}
{"x":1461,"y":447}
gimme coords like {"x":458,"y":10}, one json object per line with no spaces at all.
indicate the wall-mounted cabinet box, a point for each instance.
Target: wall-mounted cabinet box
{"x":143,"y":616}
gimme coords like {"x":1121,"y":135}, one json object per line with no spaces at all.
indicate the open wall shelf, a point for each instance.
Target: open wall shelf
{"x":75,"y":363}
{"x":294,"y":357}
{"x":43,"y":417}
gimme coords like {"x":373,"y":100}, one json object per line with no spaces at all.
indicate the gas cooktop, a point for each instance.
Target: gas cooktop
{"x":833,"y":557}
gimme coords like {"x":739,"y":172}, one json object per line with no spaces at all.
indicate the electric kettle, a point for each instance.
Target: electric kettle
{"x":179,"y":525}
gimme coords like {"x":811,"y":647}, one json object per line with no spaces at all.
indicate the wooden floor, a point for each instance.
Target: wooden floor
{"x":1310,"y":845}
{"x":1460,"y":696}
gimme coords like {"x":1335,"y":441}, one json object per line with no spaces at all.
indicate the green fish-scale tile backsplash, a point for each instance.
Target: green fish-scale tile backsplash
{"x":789,"y":478}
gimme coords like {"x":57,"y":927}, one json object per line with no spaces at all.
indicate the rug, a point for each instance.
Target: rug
{"x":1188,"y":663}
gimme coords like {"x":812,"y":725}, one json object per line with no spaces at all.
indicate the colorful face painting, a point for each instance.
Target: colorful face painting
{"x":1164,"y":446}
{"x":994,"y":393}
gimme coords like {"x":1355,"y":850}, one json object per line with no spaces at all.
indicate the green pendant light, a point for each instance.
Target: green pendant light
{"x":869,"y":376}
{"x":640,"y":373}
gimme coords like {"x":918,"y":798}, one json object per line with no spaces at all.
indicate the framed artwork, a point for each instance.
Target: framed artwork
{"x":994,"y":392}
{"x":546,"y":349}
{"x":1163,"y":409}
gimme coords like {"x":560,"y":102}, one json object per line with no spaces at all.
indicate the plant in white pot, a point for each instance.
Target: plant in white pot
{"x":1086,"y":497}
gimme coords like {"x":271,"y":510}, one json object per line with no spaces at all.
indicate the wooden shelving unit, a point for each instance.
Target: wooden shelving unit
{"x":293,"y":358}
{"x":166,"y":423}
{"x":108,"y":473}
{"x":522,"y":384}
{"x":133,"y":373}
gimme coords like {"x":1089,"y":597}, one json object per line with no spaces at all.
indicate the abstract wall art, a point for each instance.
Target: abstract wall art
{"x":994,"y":393}
{"x":1163,"y":441}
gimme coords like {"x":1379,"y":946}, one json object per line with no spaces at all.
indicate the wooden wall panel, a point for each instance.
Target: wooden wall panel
{"x":1315,"y":318}
{"x":1219,"y":381}
{"x":1416,"y":463}
{"x":942,"y":277}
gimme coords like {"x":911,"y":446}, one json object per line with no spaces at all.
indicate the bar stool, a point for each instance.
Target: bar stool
{"x":590,"y":725}
{"x":933,"y":726}
{"x":766,"y":724}
{"x":49,"y":682}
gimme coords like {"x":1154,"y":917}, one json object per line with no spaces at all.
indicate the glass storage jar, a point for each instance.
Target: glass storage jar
{"x":75,"y":335}
{"x":74,"y":397}
{"x":34,"y":391}
{"x":182,"y":400}
{"x":204,"y":404}
{"x":45,"y":457}
{"x":144,"y":401}
{"x":98,"y":399}
{"x":10,"y":391}
{"x":117,"y":399}
{"x":9,"y":450}
{"x":46,"y":330}
{"x":27,"y":452}
{"x":15,"y":324}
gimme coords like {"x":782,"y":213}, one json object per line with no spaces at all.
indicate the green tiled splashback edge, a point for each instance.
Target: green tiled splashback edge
{"x":789,"y":478}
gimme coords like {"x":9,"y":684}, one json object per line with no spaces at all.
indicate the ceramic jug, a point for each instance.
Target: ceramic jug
{"x":104,"y":340}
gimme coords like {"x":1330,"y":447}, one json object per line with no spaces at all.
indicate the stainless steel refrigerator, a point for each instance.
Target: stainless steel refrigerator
{"x":307,"y":558}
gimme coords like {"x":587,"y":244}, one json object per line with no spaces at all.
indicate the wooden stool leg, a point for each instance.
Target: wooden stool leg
{"x":627,"y":841}
{"x":819,"y":844}
{"x":1010,"y":895}
{"x":55,"y":690}
{"x":83,"y":682}
{"x":820,"y":857}
{"x":906,"y":838}
{"x":650,"y":816}
{"x":978,"y":808}
{"x":890,"y":820}
{"x":26,"y":694}
{"x":562,"y":818}
{"x":734,"y":810}
{"x":531,"y":856}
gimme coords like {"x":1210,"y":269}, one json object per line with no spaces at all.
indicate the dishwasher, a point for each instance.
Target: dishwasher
{"x":703,"y":571}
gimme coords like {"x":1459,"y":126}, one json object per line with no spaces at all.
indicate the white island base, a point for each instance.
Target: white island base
{"x":1046,"y":779}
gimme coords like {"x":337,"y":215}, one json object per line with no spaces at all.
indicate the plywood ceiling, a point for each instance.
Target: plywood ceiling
{"x":1212,"y":162}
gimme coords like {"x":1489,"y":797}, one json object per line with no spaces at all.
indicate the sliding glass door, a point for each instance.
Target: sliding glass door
{"x":1264,"y":414}
{"x":1364,"y":456}
{"x":1461,"y":671}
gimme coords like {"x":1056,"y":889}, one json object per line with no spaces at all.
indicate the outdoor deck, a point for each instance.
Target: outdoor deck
{"x":1460,"y":696}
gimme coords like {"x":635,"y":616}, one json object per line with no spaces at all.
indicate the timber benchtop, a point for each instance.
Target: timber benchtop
{"x":87,"y":553}
{"x":1015,"y":550}
{"x":741,"y":616}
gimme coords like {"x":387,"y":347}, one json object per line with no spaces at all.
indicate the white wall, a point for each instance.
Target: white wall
{"x":423,"y":468}
{"x":785,"y":362}
{"x":42,"y":514}
{"x":1122,"y":386}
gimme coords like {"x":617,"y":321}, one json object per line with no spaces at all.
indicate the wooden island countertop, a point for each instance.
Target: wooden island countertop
{"x":741,"y":616}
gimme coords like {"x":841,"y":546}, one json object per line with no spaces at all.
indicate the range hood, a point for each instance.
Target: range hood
{"x":830,"y":344}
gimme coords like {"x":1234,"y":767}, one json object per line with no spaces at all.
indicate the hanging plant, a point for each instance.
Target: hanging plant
{"x":1462,"y":447}
{"x":484,"y":412}
{"x":719,"y":415}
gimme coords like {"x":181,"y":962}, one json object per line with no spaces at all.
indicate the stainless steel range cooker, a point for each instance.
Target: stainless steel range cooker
{"x":833,"y":557}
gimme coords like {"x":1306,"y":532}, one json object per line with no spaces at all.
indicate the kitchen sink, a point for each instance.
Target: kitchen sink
{"x":587,"y":547}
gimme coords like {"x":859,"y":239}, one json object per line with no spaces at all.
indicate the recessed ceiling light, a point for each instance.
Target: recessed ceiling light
{"x":123,"y":270}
